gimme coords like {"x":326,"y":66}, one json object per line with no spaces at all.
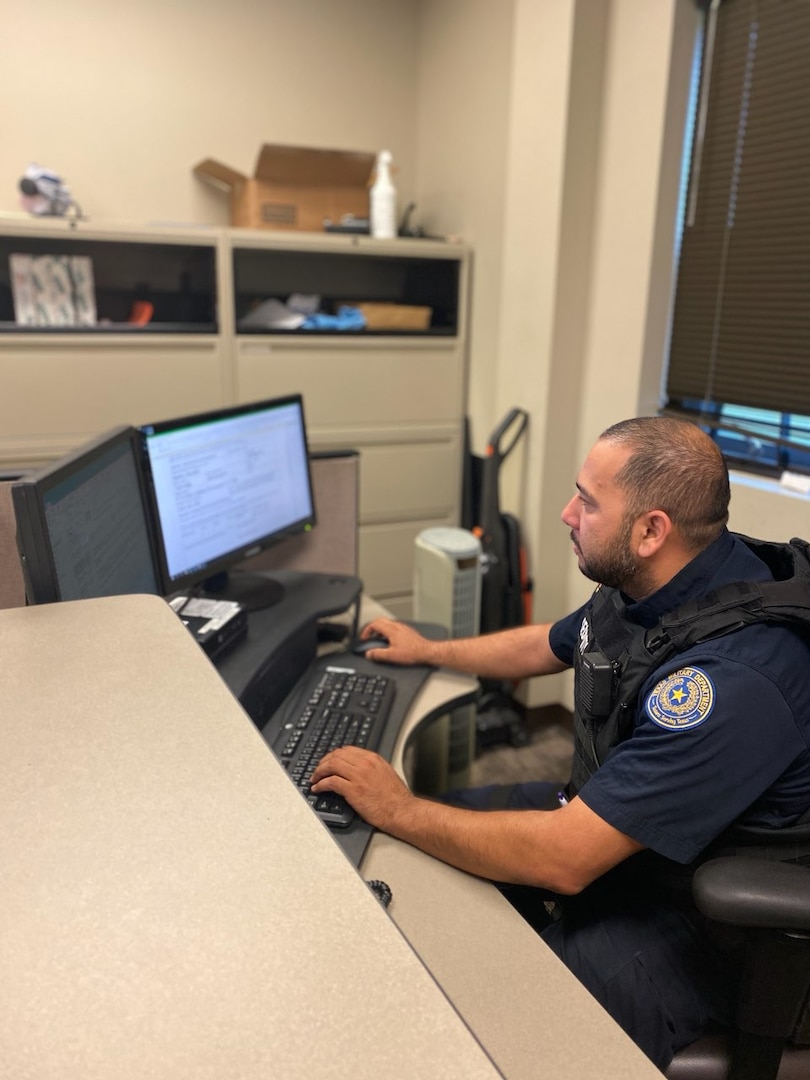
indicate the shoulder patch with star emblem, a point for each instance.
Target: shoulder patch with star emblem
{"x":682,"y":700}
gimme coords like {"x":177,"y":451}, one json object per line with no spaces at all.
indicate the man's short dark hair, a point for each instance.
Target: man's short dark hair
{"x":675,"y":467}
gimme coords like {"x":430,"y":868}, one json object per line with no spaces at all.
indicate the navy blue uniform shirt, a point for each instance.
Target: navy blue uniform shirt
{"x":722,"y":730}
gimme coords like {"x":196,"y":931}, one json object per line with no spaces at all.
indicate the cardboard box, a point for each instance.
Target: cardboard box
{"x":395,"y":316}
{"x":294,"y":187}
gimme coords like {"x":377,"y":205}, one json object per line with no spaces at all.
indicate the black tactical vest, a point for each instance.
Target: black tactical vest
{"x":614,"y":657}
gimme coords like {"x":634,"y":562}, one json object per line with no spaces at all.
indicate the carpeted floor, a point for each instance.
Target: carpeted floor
{"x":547,"y":755}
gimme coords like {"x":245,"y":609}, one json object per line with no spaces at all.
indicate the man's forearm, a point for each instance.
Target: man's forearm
{"x":562,"y":850}
{"x":485,"y":844}
{"x":508,"y":654}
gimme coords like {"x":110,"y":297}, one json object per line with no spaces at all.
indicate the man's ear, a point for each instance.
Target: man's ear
{"x":653,"y":528}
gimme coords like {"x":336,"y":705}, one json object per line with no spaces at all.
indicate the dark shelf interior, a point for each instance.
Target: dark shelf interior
{"x":179,"y":280}
{"x":337,"y":278}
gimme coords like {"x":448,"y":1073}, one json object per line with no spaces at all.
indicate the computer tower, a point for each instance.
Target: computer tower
{"x":447,"y":591}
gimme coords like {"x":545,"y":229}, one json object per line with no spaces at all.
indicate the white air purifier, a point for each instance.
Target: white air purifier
{"x":447,"y":592}
{"x":447,"y":580}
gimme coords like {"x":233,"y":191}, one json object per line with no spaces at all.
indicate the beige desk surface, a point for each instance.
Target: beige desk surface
{"x":156,"y":922}
{"x":170,"y":907}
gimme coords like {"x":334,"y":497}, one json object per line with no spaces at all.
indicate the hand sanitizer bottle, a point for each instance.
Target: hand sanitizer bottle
{"x":383,"y":200}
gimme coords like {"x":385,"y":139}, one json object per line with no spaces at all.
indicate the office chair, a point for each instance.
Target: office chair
{"x":770,"y":903}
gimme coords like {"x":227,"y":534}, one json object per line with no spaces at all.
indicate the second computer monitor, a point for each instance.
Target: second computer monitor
{"x":82,"y":524}
{"x":226,"y":485}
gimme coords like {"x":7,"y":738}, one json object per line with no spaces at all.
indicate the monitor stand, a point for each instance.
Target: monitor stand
{"x":254,"y":592}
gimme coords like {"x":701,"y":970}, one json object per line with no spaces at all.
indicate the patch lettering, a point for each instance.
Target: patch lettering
{"x":584,"y":635}
{"x":682,"y":700}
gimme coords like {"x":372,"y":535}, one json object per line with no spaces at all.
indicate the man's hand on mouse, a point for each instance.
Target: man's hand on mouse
{"x":405,"y":645}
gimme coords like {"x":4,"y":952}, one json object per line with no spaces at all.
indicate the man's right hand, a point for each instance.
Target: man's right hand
{"x":405,"y":645}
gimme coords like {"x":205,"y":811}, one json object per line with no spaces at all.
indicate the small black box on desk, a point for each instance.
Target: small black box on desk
{"x":217,"y":625}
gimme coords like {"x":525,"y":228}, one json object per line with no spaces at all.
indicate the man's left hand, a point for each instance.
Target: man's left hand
{"x":366,"y":781}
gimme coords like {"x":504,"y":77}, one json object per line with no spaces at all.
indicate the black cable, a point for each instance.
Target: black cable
{"x":381,"y":891}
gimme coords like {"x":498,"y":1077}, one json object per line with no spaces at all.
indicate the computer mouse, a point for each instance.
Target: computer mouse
{"x":362,"y":647}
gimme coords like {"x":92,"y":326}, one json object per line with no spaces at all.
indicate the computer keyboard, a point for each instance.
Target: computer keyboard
{"x":336,"y":706}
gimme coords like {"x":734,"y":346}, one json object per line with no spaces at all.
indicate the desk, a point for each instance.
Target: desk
{"x":171,"y":907}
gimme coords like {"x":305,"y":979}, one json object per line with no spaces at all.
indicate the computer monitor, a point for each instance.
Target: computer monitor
{"x":225,"y":485}
{"x":82,"y":525}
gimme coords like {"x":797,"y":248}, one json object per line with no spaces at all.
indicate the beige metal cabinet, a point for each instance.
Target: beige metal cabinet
{"x":397,"y":396}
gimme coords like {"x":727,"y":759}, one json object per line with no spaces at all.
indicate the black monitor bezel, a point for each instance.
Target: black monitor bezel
{"x":28,"y":496}
{"x":228,"y":560}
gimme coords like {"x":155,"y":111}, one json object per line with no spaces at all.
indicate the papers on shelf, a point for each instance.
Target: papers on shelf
{"x":272,"y":314}
{"x":53,"y":290}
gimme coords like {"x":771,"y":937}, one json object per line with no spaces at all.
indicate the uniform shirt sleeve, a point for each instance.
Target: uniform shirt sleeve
{"x":564,"y":634}
{"x":712,"y":735}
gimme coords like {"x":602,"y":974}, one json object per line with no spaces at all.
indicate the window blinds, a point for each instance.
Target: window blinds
{"x":741,"y":318}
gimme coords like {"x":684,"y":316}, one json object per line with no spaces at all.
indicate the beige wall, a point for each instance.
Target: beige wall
{"x":634,"y":197}
{"x":586,"y":213}
{"x":465,"y":61}
{"x":545,"y":132}
{"x":123,"y":99}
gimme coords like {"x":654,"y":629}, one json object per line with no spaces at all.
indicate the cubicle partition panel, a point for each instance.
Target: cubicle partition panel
{"x":331,"y":547}
{"x":12,"y":587}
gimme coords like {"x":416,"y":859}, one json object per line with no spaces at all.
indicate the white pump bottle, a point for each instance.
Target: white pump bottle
{"x":383,"y":200}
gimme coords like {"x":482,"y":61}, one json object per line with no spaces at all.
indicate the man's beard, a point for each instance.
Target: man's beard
{"x":614,"y":566}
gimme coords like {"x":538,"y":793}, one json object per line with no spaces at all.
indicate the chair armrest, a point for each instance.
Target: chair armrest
{"x":754,"y":892}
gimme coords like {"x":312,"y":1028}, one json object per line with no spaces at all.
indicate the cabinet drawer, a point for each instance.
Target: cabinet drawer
{"x":81,"y":389}
{"x":386,"y":555}
{"x":399,"y":607}
{"x":354,"y":383}
{"x":410,"y":481}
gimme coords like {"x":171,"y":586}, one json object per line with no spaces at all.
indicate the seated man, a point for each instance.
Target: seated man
{"x":715,"y":735}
